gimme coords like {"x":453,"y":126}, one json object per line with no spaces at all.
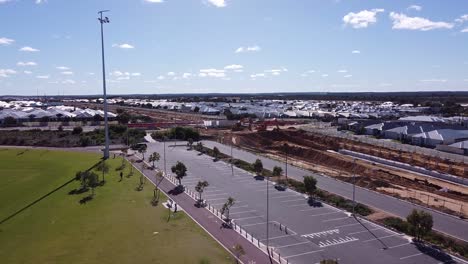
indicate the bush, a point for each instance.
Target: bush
{"x":77,"y":130}
{"x":85,"y":141}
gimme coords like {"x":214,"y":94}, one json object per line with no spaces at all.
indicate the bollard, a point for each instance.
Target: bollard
{"x":279,"y":257}
{"x":286,"y":229}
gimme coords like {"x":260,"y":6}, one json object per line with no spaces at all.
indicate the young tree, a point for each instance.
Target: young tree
{"x":154,"y":158}
{"x":420,"y":223}
{"x":310,"y":184}
{"x":238,"y":251}
{"x":190,"y":143}
{"x":142,"y":150}
{"x":200,"y":187}
{"x":277,"y":171}
{"x":227,"y":206}
{"x":180,"y":170}
{"x":216,"y":153}
{"x":199,"y":147}
{"x":92,"y":180}
{"x":104,"y":168}
{"x":258,"y":166}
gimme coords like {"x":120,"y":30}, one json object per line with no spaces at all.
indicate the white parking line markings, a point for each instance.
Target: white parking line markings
{"x":335,"y":219}
{"x":261,"y":223}
{"x":310,"y":252}
{"x":295,"y":200}
{"x":292,"y":245}
{"x":323,"y":233}
{"x":337,"y":241}
{"x":363,"y":231}
{"x":243,"y":212}
{"x":244,"y":218}
{"x":209,"y":195}
{"x":410,"y":256}
{"x":381,"y":237}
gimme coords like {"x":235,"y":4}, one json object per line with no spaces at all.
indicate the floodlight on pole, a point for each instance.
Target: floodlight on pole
{"x":106,"y":124}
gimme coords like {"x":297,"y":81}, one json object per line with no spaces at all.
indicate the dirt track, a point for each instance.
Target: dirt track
{"x":311,"y":151}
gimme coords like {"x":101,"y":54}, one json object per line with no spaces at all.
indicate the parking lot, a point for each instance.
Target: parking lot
{"x":298,"y":232}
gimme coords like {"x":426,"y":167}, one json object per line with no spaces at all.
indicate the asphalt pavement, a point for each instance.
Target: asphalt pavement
{"x":444,"y":223}
{"x":298,"y":231}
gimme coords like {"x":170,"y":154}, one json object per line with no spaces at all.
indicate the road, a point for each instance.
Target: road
{"x":299,"y":232}
{"x":444,"y":223}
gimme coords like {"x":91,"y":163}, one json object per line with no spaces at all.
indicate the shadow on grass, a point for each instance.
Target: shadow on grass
{"x":86,"y":199}
{"x":434,"y":252}
{"x":42,"y":197}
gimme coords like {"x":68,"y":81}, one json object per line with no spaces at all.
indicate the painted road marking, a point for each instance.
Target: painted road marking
{"x":347,"y":225}
{"x":335,"y":219}
{"x":337,"y":241}
{"x":323,"y":233}
{"x":295,"y":200}
{"x":363,"y":231}
{"x":310,"y":252}
{"x":276,"y":237}
{"x":261,"y":223}
{"x":399,"y":245}
{"x":239,"y":206}
{"x":292,"y":245}
{"x":244,"y":218}
{"x":381,"y":237}
{"x":209,"y":195}
{"x":410,"y":256}
{"x":243,"y":212}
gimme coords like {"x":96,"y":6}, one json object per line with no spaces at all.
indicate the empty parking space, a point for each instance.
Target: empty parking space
{"x":299,"y":231}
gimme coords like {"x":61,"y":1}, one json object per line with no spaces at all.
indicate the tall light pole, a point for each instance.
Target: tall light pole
{"x":354,"y":185}
{"x":106,"y":124}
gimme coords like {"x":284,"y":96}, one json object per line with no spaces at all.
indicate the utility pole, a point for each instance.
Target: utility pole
{"x":286,"y":148}
{"x":164,"y":151}
{"x":354,"y":185}
{"x":267,"y":217}
{"x":106,"y":125}
{"x":232,"y":158}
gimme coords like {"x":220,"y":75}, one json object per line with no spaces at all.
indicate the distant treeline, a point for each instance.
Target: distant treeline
{"x":397,"y":97}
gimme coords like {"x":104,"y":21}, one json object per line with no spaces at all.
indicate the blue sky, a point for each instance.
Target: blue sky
{"x":241,"y":46}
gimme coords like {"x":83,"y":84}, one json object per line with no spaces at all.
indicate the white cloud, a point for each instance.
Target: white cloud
{"x":362,"y":19}
{"x":465,"y":30}
{"x":311,"y":71}
{"x":4,"y":73}
{"x":343,"y":71}
{"x":6,"y":41}
{"x":67,"y":73}
{"x":123,"y":46}
{"x":356,"y":52}
{"x":276,"y":72}
{"x":38,"y":2}
{"x":4,"y":1}
{"x":123,"y":78}
{"x":62,"y":68}
{"x":402,"y":21}
{"x":434,"y":80}
{"x":68,"y":81}
{"x":170,"y":73}
{"x":28,"y":49}
{"x":233,"y":67}
{"x":415,"y":7}
{"x":43,"y":76}
{"x":462,"y":19}
{"x":248,"y":49}
{"x":324,"y":75}
{"x":155,"y":1}
{"x":91,"y":73}
{"x":161,"y":77}
{"x":186,"y":75}
{"x":253,"y":76}
{"x":27,"y":63}
{"x":212,"y":73}
{"x":27,"y":72}
{"x":348,"y":76}
{"x":217,"y":3}
{"x":135,"y":74}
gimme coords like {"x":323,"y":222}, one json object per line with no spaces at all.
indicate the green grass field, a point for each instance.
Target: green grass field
{"x":118,"y":226}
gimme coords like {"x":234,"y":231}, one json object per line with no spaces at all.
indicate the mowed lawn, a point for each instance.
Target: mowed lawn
{"x":118,"y":226}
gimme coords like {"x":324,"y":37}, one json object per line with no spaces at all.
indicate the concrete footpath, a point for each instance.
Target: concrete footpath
{"x":210,"y":223}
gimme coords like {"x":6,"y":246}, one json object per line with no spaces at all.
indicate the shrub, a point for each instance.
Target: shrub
{"x":77,"y":130}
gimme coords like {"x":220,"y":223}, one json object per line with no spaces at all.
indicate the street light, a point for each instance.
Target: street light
{"x":354,"y":185}
{"x":104,"y":20}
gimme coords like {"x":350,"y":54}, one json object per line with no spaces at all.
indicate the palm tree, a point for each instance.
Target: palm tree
{"x":225,"y":209}
{"x":200,"y":146}
{"x":201,"y":185}
{"x":154,"y":157}
{"x":277,"y":171}
{"x":310,"y":184}
{"x":180,"y":170}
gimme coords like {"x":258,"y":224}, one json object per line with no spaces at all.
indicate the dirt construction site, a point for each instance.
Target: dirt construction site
{"x":319,"y":153}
